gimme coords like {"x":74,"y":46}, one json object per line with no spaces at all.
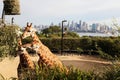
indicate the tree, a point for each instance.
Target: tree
{"x":71,"y":35}
{"x":51,"y":30}
{"x":115,"y":25}
{"x":55,"y":32}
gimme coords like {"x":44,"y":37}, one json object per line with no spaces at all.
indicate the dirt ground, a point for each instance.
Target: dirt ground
{"x":8,"y":67}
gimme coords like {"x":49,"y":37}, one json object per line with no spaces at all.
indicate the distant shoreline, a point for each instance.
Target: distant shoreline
{"x":96,"y":34}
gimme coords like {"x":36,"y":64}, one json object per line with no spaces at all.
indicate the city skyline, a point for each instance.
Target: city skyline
{"x":47,"y":11}
{"x":81,"y":26}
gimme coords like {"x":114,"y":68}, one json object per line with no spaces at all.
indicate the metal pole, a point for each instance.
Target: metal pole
{"x":62,"y":36}
{"x":12,"y":20}
{"x":3,"y":15}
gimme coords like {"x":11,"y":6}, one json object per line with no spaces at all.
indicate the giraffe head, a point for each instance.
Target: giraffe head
{"x":19,"y":42}
{"x":29,"y":31}
{"x":21,"y":50}
{"x":35,"y":45}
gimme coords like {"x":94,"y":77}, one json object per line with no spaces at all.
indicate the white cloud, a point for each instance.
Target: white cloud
{"x":71,"y":7}
{"x":108,"y":21}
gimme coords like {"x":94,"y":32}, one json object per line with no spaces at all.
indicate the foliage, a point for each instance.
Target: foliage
{"x":8,"y":40}
{"x":79,"y":50}
{"x":11,"y":7}
{"x":106,"y":47}
{"x":86,"y":43}
{"x":109,"y":46}
{"x":112,"y":73}
{"x":71,"y":35}
{"x":55,"y":32}
{"x":115,"y":25}
{"x":55,"y":44}
{"x":104,"y":55}
{"x":46,"y":73}
{"x":51,"y":30}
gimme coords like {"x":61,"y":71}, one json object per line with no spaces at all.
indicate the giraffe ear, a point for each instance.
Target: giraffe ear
{"x":30,"y":25}
{"x":27,"y":24}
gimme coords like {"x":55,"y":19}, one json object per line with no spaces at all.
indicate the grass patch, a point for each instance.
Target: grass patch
{"x":111,"y":73}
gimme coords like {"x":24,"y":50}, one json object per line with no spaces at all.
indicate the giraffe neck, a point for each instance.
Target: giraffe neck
{"x":36,"y":38}
{"x":25,"y":61}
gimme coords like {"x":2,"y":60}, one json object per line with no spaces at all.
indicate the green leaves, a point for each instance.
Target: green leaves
{"x":51,"y":30}
{"x":103,"y":46}
{"x":8,"y":40}
{"x":55,"y":32}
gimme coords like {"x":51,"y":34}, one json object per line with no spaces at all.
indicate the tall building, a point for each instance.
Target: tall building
{"x":84,"y":26}
{"x":80,"y":24}
{"x":94,"y":27}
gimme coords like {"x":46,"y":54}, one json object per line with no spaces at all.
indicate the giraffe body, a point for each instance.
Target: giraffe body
{"x":46,"y":55}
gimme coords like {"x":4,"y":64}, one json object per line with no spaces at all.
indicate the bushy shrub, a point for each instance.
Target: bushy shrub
{"x":112,"y":73}
{"x":55,"y":74}
{"x":105,"y":55}
{"x":8,"y":40}
{"x":89,"y":45}
{"x":86,"y":43}
{"x":71,"y":35}
{"x":110,"y":46}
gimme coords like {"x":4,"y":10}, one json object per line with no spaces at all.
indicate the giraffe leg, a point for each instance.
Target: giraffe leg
{"x":19,"y":72}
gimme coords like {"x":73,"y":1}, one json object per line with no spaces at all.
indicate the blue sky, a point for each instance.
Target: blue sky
{"x":47,"y":11}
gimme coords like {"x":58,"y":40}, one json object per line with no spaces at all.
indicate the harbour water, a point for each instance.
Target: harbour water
{"x":97,"y":34}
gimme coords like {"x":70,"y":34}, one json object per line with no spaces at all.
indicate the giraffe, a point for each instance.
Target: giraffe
{"x":44,"y":53}
{"x":25,"y":34}
{"x":25,"y":64}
